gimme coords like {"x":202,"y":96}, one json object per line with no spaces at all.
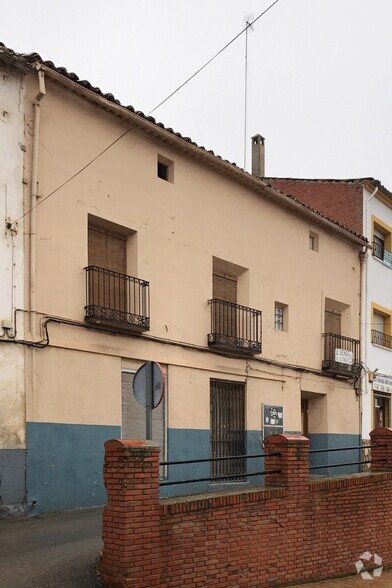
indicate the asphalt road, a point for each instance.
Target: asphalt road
{"x":58,"y":550}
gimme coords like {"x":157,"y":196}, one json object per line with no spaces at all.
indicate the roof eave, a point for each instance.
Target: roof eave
{"x":164,"y":135}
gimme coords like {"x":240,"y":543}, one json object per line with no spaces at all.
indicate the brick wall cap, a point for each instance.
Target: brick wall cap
{"x":286,"y":439}
{"x":129,"y":443}
{"x":383,"y":432}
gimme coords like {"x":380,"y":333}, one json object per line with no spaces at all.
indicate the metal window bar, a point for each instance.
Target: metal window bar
{"x":380,"y":338}
{"x":117,"y":297}
{"x":378,"y":250}
{"x":235,"y":326}
{"x":227,"y":436}
{"x":278,"y":318}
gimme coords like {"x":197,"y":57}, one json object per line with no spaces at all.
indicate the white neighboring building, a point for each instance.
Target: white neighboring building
{"x":364,"y":205}
{"x":12,"y":380}
{"x":377,"y":309}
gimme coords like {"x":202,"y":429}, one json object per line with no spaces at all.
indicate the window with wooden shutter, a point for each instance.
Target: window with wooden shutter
{"x":333,"y":322}
{"x":224,"y":287}
{"x":108,"y":250}
{"x":133,"y":419}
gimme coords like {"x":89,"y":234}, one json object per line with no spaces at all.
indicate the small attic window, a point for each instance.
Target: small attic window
{"x":165,"y":169}
{"x":313,"y":241}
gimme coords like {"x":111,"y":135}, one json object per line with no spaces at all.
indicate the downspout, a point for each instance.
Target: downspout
{"x":33,"y":200}
{"x":34,"y":194}
{"x":364,"y":330}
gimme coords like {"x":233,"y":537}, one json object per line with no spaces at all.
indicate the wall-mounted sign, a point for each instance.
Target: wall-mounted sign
{"x":272,"y":420}
{"x":382,"y":383}
{"x":344,"y":356}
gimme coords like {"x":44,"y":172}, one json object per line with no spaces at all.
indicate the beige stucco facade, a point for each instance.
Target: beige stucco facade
{"x":210,"y":213}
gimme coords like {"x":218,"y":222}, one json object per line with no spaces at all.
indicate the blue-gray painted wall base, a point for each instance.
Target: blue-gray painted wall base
{"x":332,"y":441}
{"x":65,"y":464}
{"x":186,"y":444}
{"x":12,"y":481}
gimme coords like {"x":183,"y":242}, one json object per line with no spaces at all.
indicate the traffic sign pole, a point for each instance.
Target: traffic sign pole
{"x":149,"y":399}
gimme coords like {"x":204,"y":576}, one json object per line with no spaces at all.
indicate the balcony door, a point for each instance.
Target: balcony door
{"x":224,"y":287}
{"x":333,"y":322}
{"x":108,"y":250}
{"x":333,"y":325}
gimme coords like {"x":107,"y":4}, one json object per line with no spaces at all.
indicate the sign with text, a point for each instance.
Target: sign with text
{"x":272,"y":420}
{"x":383,"y":383}
{"x":344,"y":356}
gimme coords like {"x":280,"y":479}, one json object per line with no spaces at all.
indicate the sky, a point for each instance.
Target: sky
{"x":319,"y":72}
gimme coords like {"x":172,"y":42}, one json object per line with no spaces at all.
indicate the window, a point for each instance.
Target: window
{"x":165,"y":169}
{"x":133,"y":416}
{"x":281,"y":317}
{"x":107,"y":250}
{"x":313,"y":241}
{"x":382,"y":410}
{"x":381,"y":326}
{"x":227,"y":414}
{"x":382,"y":241}
{"x":378,"y":245}
{"x":114,"y":299}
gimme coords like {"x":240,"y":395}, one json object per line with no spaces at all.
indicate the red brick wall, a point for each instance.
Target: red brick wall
{"x":342,"y":201}
{"x":293,"y":531}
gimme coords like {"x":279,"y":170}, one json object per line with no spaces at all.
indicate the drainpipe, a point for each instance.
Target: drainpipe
{"x":33,"y":200}
{"x":364,"y":330}
{"x":34,"y":194}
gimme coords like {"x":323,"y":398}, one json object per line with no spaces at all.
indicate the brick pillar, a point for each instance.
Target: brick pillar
{"x":381,"y":436}
{"x":130,"y":529}
{"x":293,"y":461}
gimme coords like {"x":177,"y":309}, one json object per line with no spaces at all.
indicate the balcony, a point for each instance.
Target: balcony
{"x":380,"y":338}
{"x":341,"y":356}
{"x":234,"y":328}
{"x":115,"y":301}
{"x":382,"y":254}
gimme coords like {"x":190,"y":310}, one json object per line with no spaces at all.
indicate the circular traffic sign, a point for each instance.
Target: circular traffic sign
{"x":140,"y":382}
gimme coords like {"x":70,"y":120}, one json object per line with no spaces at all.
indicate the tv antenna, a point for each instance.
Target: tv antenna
{"x":248,"y":26}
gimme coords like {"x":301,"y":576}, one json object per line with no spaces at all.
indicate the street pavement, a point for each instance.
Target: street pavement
{"x":57,"y":550}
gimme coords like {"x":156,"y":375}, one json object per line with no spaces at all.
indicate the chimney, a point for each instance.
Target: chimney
{"x":258,"y":156}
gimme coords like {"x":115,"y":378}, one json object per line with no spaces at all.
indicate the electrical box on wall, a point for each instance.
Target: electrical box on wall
{"x":272,"y":420}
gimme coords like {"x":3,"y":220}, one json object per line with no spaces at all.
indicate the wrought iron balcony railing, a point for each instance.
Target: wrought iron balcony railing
{"x":380,"y":338}
{"x":341,"y":355}
{"x":234,"y":327}
{"x":116,"y":301}
{"x":383,"y":254}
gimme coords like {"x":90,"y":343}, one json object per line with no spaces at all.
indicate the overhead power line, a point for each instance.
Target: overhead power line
{"x":136,"y":123}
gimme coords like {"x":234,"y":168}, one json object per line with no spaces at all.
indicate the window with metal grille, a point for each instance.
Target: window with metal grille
{"x":281,"y":317}
{"x":378,"y":246}
{"x":227,"y":411}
